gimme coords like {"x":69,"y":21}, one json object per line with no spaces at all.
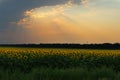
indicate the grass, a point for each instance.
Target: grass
{"x":102,"y":73}
{"x":58,"y":64}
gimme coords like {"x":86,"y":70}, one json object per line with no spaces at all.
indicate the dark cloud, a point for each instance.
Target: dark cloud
{"x":12,"y":10}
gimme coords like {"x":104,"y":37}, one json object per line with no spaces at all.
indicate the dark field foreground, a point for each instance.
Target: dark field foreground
{"x":102,"y":73}
{"x":58,"y":64}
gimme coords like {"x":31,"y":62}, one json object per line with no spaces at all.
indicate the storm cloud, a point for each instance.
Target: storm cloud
{"x":12,"y":10}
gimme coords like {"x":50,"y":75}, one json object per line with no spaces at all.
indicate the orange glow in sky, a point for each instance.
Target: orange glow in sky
{"x":72,"y":23}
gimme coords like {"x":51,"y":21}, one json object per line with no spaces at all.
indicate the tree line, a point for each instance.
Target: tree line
{"x":70,"y":46}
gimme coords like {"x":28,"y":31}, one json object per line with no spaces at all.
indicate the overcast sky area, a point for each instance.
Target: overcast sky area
{"x":59,"y":21}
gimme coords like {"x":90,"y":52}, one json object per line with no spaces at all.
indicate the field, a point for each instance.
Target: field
{"x":58,"y":64}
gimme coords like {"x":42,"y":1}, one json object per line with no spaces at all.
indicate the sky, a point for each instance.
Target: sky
{"x":59,"y":21}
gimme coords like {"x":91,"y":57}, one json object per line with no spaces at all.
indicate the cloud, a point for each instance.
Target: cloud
{"x":47,"y":11}
{"x":42,"y":12}
{"x":50,"y":23}
{"x":12,"y":10}
{"x":68,"y":22}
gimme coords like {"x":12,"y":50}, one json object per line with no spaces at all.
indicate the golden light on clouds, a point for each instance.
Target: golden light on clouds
{"x":70,"y":23}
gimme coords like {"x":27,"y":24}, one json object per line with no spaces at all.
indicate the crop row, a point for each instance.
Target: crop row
{"x":27,"y":58}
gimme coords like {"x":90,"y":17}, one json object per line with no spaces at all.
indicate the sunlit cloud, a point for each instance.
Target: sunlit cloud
{"x":71,"y":22}
{"x":44,"y":12}
{"x":48,"y":11}
{"x":51,"y":23}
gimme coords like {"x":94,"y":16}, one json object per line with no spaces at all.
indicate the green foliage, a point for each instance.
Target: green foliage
{"x":102,"y":73}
